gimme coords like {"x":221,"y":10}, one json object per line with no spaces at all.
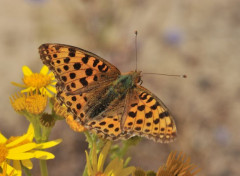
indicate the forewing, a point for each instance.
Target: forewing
{"x":82,"y":76}
{"x":149,"y":117}
{"x":76,"y":70}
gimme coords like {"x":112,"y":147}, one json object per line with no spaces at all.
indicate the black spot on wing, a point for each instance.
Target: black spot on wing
{"x":134,"y":104}
{"x":141,"y":108}
{"x":72,"y":75}
{"x":150,"y":99}
{"x":85,"y":59}
{"x":164,"y":114}
{"x":83,"y":81}
{"x":153,"y":107}
{"x":156,"y":121}
{"x":139,"y":121}
{"x":88,"y":71}
{"x":66,"y":67}
{"x":143,"y":96}
{"x":103,"y":68}
{"x":149,"y":114}
{"x":77,"y":66}
{"x":64,"y":78}
{"x":71,"y":54}
{"x":66,"y":60}
{"x":132,"y":114}
{"x":95,"y":78}
{"x":95,"y":62}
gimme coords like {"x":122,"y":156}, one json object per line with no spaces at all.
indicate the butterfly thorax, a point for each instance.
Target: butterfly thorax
{"x":126,"y":81}
{"x":116,"y":92}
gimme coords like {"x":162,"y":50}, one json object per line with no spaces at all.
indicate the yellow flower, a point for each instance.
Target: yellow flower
{"x":20,"y":149}
{"x":74,"y":125}
{"x":177,"y":165}
{"x":34,"y":103}
{"x":42,"y":81}
{"x":61,"y":110}
{"x":114,"y":168}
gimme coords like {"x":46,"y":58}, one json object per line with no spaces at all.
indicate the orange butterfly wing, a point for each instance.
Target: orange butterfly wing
{"x":80,"y":74}
{"x":149,"y":117}
{"x":143,"y":114}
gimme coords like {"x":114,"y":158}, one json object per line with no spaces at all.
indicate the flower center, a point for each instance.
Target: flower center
{"x":36,"y":103}
{"x":3,"y":152}
{"x":37,"y":80}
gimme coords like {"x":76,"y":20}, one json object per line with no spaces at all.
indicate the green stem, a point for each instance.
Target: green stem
{"x":34,"y":119}
{"x":85,"y":171}
{"x":45,"y":133}
{"x":37,"y":130}
{"x":43,"y":167}
{"x":90,"y":141}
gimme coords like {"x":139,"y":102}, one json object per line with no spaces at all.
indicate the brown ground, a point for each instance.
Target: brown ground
{"x":198,"y":38}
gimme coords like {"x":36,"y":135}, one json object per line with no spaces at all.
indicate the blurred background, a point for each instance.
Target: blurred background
{"x":197,"y":38}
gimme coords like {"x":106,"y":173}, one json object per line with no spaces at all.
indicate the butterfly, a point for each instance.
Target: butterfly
{"x":111,"y":104}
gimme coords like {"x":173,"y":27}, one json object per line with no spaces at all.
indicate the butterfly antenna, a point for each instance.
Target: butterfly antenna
{"x":181,"y":76}
{"x":136,"y":32}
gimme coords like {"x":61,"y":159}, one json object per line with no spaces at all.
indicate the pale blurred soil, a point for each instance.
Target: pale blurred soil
{"x":197,"y":38}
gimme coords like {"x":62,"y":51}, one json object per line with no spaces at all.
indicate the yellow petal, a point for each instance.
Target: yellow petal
{"x":22,"y":148}
{"x":27,"y":136}
{"x":94,"y":158}
{"x":20,"y":156}
{"x":118,"y":167}
{"x":4,"y":168}
{"x":114,"y":163}
{"x":30,"y":132}
{"x":127,"y":171}
{"x":27,"y":163}
{"x":45,"y":91}
{"x":9,"y":169}
{"x":44,"y":70}
{"x":18,"y":85}
{"x":102,"y":156}
{"x":2,"y":138}
{"x":43,"y":155}
{"x":17,"y":141}
{"x":17,"y":166}
{"x":54,"y":83}
{"x":48,"y":144}
{"x":29,"y":89}
{"x":89,"y":167}
{"x":52,"y":75}
{"x":26,"y":71}
{"x":52,"y":89}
